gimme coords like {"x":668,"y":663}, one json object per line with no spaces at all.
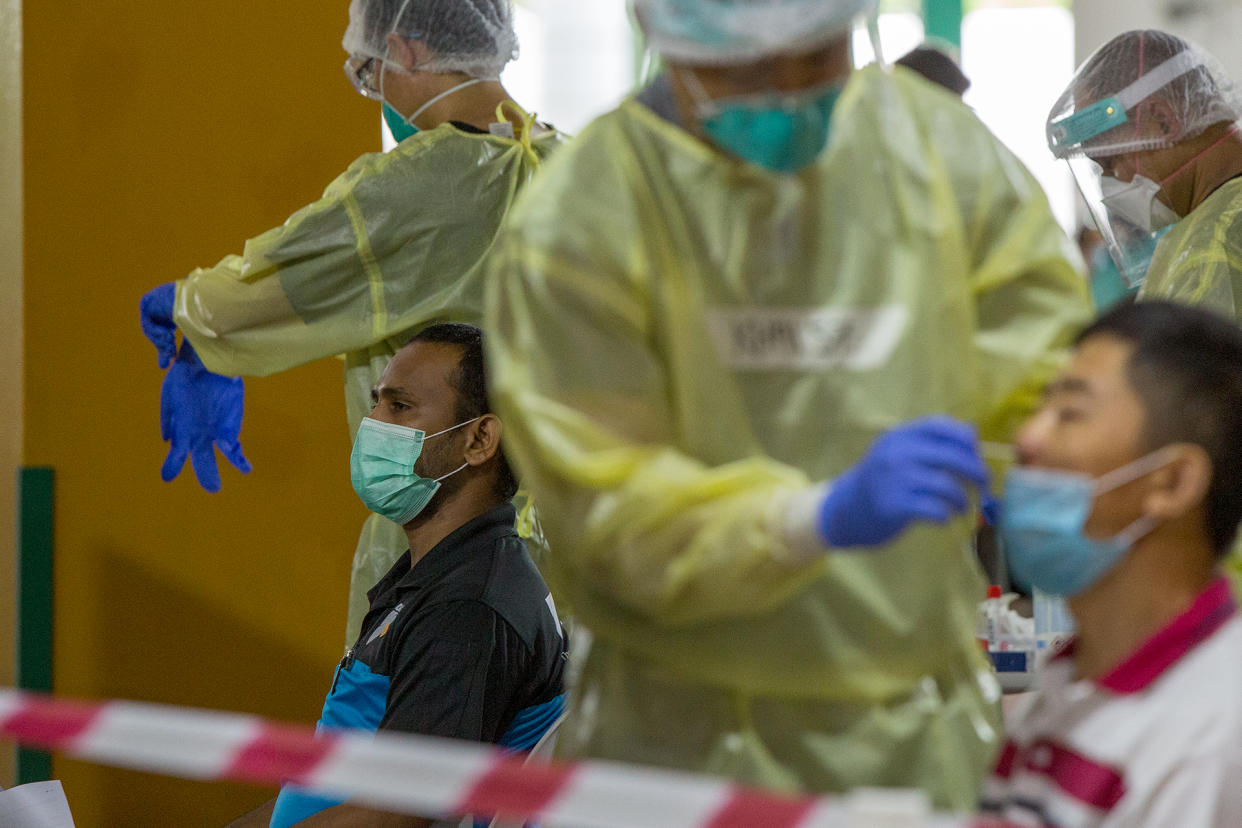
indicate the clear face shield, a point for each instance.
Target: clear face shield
{"x":1092,"y":137}
{"x":1130,"y":217}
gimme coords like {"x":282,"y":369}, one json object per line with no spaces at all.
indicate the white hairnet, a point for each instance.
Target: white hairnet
{"x":1100,"y":114}
{"x":738,"y":31}
{"x":471,"y":36}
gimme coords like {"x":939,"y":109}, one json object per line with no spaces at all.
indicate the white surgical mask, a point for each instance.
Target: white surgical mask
{"x":1136,"y":202}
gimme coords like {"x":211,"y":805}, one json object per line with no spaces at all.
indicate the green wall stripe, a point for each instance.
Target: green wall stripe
{"x":36,"y":498}
{"x":942,"y":19}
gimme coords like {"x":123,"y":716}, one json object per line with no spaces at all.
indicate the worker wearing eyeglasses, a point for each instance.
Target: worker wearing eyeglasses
{"x":395,"y":243}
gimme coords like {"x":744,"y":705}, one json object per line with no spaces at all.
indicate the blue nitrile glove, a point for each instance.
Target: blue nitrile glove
{"x":919,"y":470}
{"x":156,"y":308}
{"x":198,"y":410}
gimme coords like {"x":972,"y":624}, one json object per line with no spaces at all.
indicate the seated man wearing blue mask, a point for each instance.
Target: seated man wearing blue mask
{"x":1125,"y":501}
{"x":462,"y":638}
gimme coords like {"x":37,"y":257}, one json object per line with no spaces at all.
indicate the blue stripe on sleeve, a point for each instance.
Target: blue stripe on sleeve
{"x":357,"y":702}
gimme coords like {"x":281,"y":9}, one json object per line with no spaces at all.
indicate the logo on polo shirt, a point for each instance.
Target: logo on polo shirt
{"x":382,"y":629}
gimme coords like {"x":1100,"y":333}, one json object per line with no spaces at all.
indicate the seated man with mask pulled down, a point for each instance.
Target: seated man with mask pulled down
{"x":462,"y":639}
{"x":1125,"y":503}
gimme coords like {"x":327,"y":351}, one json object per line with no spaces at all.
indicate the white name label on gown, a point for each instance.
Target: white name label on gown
{"x":796,"y":339}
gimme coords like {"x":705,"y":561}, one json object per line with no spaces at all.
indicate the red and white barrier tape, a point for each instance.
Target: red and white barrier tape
{"x":426,"y":776}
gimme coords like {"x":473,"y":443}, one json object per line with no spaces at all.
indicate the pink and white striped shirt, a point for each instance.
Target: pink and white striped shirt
{"x":1156,"y":743}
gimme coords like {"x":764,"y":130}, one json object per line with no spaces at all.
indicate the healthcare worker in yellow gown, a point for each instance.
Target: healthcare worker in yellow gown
{"x":396,"y":242}
{"x":747,"y":331}
{"x":1150,"y":127}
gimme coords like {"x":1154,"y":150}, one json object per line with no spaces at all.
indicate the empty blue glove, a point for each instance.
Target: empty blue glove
{"x":156,"y":309}
{"x":918,"y":471}
{"x":199,"y":410}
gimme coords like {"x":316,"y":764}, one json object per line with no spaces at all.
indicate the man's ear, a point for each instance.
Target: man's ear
{"x":1166,"y":120}
{"x":483,"y":439}
{"x":406,"y":53}
{"x":1182,"y":485}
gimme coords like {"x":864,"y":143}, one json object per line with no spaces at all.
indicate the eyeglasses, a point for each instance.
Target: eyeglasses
{"x":363,"y":73}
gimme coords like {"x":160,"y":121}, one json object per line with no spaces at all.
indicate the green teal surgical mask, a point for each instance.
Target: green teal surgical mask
{"x":397,"y":125}
{"x":382,"y":469}
{"x":783,"y":131}
{"x":402,"y":127}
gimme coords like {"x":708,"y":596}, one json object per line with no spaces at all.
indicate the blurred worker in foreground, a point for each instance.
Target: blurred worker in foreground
{"x":1125,"y":503}
{"x":462,"y":638}
{"x":720,"y":321}
{"x":1149,"y":127}
{"x":396,"y":242}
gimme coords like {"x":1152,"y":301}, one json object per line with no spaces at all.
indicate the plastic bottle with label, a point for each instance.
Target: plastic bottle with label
{"x":1054,"y":624}
{"x":987,"y":629}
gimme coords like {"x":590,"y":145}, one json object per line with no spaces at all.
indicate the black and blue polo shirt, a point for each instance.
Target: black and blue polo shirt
{"x":466,"y":644}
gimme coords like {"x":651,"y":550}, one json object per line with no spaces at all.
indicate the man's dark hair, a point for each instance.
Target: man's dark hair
{"x":937,"y":67}
{"x":470,"y":383}
{"x":1186,"y":367}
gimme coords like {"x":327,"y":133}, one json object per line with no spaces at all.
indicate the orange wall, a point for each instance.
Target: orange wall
{"x":158,"y":137}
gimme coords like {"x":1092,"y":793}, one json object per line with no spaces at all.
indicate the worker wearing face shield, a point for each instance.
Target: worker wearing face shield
{"x":747,"y":332}
{"x":1149,"y":128}
{"x":1149,"y":124}
{"x":395,"y":243}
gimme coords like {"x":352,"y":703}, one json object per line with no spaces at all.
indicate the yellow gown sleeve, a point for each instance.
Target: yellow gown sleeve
{"x":1029,"y":284}
{"x":396,"y":241}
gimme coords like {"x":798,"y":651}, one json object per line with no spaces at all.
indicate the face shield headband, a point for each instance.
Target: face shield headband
{"x":1070,"y":134}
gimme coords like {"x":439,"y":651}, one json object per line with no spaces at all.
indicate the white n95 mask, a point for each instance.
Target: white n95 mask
{"x":1136,"y":202}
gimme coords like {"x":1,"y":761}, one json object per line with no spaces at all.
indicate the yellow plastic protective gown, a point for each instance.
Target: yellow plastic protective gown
{"x":682,"y":343}
{"x":395,"y":243}
{"x":1199,"y":262}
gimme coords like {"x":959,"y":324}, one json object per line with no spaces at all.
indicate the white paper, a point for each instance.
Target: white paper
{"x":35,"y":805}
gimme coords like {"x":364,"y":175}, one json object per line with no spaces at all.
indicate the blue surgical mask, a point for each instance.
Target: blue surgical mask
{"x":782,"y":131}
{"x":397,"y":124}
{"x":1042,"y":520}
{"x":382,"y":469}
